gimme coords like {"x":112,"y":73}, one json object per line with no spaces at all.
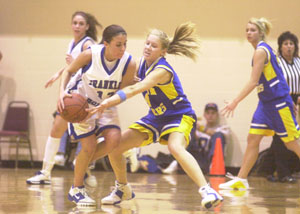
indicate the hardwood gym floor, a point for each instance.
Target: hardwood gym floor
{"x":155,"y":193}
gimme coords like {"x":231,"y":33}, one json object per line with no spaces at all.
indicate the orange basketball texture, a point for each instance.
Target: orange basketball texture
{"x":74,"y":110}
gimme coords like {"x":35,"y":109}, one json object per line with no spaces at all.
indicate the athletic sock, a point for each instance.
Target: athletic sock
{"x":51,"y":149}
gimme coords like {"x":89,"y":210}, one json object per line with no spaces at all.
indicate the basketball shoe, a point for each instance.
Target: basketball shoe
{"x":210,"y":197}
{"x":235,"y":183}
{"x":79,"y":196}
{"x":39,"y":178}
{"x":120,"y":193}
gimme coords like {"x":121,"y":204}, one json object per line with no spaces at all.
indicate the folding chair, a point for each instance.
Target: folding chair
{"x":16,"y":127}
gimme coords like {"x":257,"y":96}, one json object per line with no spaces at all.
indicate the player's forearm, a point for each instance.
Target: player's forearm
{"x":66,"y":76}
{"x":245,"y":91}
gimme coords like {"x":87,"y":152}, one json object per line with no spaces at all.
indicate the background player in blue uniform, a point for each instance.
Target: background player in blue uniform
{"x":170,"y":119}
{"x":275,"y":110}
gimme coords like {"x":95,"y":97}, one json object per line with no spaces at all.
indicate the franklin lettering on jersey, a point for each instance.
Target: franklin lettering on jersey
{"x":98,"y":82}
{"x":105,"y":84}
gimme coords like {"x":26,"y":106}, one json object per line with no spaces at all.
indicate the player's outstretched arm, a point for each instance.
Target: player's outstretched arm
{"x":259,"y":59}
{"x":55,"y":77}
{"x":159,"y":76}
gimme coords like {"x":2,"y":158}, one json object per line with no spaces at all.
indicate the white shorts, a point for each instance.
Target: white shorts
{"x":109,"y":119}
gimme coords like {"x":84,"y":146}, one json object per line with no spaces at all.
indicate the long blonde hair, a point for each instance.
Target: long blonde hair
{"x":263,"y":25}
{"x":185,"y":42}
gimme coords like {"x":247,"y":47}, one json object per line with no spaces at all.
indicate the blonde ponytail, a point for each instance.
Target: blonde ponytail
{"x":185,"y":42}
{"x":263,"y":25}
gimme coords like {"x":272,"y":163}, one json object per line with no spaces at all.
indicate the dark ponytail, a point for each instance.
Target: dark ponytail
{"x":91,"y":21}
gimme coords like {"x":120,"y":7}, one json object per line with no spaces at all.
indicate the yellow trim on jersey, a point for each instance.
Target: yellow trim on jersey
{"x":142,"y":129}
{"x":268,"y":68}
{"x":151,"y":66}
{"x":165,"y":67}
{"x":290,"y":138}
{"x":169,"y":90}
{"x":289,"y":124}
{"x":269,"y":71}
{"x":185,"y":127}
{"x":265,"y":132}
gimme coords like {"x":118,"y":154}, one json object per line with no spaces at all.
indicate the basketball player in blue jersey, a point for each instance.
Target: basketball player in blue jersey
{"x":105,"y":68}
{"x":275,"y":110}
{"x":84,"y":27}
{"x":170,"y":119}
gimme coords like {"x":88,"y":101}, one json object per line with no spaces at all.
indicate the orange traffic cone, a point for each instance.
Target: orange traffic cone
{"x":217,"y":164}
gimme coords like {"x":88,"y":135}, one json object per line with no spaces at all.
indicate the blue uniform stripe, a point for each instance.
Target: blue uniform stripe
{"x":126,"y":65}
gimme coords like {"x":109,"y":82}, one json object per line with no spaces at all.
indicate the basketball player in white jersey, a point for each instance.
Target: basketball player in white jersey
{"x":105,"y":68}
{"x":85,"y":34}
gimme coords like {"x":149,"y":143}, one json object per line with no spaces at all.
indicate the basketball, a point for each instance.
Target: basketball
{"x":74,"y":110}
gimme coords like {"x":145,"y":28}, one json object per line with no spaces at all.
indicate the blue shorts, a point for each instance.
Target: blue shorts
{"x":158,"y":130}
{"x":276,"y":117}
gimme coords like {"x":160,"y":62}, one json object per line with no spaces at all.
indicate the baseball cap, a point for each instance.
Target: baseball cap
{"x":212,"y":106}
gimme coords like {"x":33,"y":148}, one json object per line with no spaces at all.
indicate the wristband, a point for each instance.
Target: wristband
{"x":122,"y":95}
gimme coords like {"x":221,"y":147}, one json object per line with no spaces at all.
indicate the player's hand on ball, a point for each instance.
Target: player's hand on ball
{"x":97,"y":110}
{"x":60,"y":103}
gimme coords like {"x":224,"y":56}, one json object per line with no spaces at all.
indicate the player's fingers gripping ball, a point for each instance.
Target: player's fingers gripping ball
{"x":74,"y":108}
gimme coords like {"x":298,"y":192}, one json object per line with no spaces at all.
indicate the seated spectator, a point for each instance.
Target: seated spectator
{"x":202,"y":145}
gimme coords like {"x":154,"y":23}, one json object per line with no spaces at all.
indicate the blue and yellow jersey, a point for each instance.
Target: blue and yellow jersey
{"x":165,"y":99}
{"x":272,"y":84}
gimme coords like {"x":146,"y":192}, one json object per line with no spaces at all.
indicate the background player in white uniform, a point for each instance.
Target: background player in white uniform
{"x":105,"y":69}
{"x":170,"y":119}
{"x":85,"y":33}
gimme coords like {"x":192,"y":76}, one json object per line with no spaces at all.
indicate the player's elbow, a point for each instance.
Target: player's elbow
{"x":253,"y":83}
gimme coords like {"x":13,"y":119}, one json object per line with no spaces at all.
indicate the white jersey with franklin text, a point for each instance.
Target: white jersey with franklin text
{"x":97,"y":80}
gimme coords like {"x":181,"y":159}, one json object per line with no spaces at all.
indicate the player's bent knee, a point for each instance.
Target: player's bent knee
{"x":175,"y":150}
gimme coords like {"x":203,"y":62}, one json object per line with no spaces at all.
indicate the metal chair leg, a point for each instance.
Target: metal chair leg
{"x":0,"y":157}
{"x":30,"y":151}
{"x":17,"y":152}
